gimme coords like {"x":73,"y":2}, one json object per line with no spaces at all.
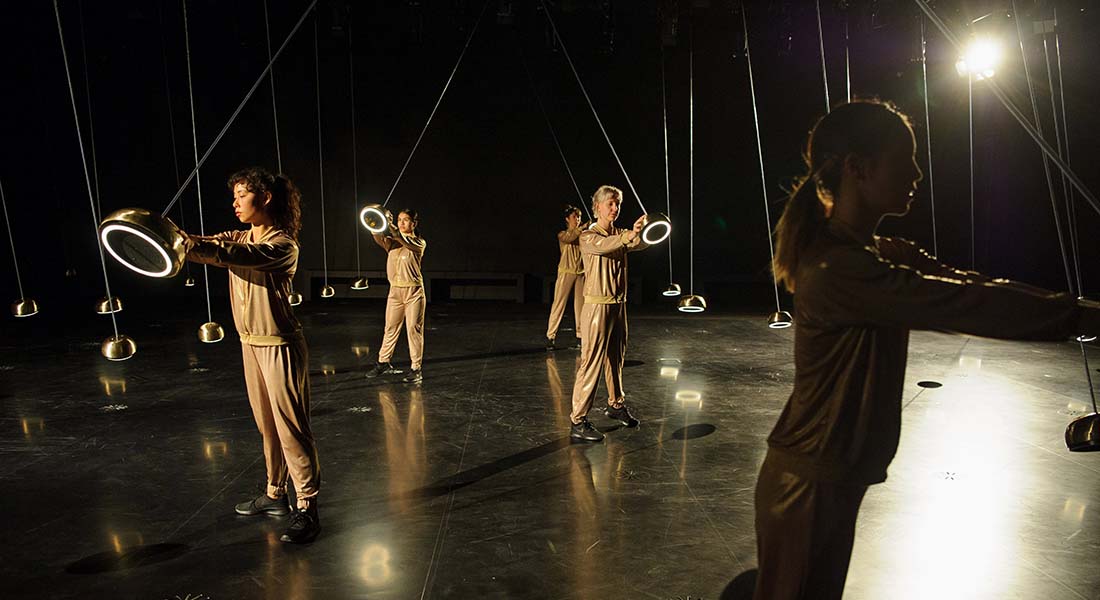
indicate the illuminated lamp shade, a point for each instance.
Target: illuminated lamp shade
{"x":780,"y":319}
{"x":374,"y":218}
{"x":1083,"y":434}
{"x":210,"y":333}
{"x":657,"y":228}
{"x":24,"y":307}
{"x":144,"y":242}
{"x":328,"y":291}
{"x":189,"y":282}
{"x":360,"y":283}
{"x":294,"y":299}
{"x":108,"y":305}
{"x":672,"y":290}
{"x":118,"y":347}
{"x":692,"y":304}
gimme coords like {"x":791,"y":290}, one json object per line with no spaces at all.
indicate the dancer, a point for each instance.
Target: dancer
{"x":603,"y":319}
{"x":406,"y":302}
{"x":856,"y":298}
{"x":570,"y":276}
{"x":261,"y":262}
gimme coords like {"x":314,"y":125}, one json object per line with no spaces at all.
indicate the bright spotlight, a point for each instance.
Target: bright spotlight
{"x":981,"y":59}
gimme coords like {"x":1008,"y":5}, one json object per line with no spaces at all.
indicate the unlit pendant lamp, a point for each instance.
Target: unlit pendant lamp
{"x":691,"y":303}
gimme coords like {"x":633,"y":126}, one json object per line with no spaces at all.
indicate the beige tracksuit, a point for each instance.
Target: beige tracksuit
{"x":276,"y":360}
{"x":570,"y":281}
{"x":406,"y":302}
{"x":603,"y":320}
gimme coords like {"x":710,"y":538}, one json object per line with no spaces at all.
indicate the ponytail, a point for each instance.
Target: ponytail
{"x":800,"y":223}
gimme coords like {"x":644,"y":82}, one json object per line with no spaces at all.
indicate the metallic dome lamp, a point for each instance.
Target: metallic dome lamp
{"x":24,"y":307}
{"x":657,"y":228}
{"x":1083,"y":434}
{"x":692,"y":304}
{"x":672,"y":291}
{"x":118,"y":347}
{"x":780,"y":319}
{"x":294,"y":299}
{"x":327,"y":291}
{"x":360,"y":283}
{"x":108,"y":305}
{"x":189,"y":282}
{"x":211,"y":333}
{"x":374,"y":218}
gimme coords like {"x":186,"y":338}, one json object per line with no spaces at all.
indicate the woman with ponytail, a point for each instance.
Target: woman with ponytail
{"x":261,"y":261}
{"x":856,"y":297}
{"x":570,"y":276}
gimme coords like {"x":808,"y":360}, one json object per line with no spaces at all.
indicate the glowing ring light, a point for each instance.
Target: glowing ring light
{"x":692,"y":304}
{"x":373,"y":217}
{"x":657,"y":228}
{"x":144,"y":242}
{"x":672,"y":290}
{"x":780,"y":320}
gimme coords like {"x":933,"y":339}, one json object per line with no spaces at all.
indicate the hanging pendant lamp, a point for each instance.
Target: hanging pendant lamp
{"x":691,"y":303}
{"x":23,"y":307}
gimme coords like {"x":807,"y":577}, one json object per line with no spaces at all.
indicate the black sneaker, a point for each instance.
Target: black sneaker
{"x":414,"y":376}
{"x":585,"y":432}
{"x":382,"y":369}
{"x":549,"y":343}
{"x":304,"y":526}
{"x":622,"y":415}
{"x":263,"y":505}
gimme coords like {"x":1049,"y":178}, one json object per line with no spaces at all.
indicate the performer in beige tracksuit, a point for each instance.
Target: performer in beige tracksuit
{"x":406,"y":302}
{"x":603,"y":338}
{"x":570,"y":276}
{"x":261,"y":263}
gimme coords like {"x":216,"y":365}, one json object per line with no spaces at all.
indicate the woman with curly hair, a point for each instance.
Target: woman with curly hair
{"x":261,"y":261}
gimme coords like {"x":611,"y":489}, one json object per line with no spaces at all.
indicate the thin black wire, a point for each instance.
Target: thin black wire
{"x":11,"y":238}
{"x":821,"y":42}
{"x":928,"y":134}
{"x":195,"y":141}
{"x":553,"y":134}
{"x":760,"y":152}
{"x":847,"y":60}
{"x":84,"y":161}
{"x":240,"y":106}
{"x":437,"y":102}
{"x":320,"y":151}
{"x":354,"y":159}
{"x":1071,"y":215}
{"x":970,"y":130}
{"x":274,"y":106}
{"x":664,"y":132}
{"x":591,"y":106}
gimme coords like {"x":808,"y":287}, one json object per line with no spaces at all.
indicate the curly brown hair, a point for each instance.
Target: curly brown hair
{"x":285,"y":206}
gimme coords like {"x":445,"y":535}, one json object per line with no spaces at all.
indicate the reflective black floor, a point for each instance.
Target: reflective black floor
{"x":120,"y":478}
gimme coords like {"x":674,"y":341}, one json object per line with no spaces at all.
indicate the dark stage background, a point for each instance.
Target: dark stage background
{"x":487,"y":179}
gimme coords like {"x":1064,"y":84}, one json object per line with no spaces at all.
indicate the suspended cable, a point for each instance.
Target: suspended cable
{"x":91,"y":121}
{"x":84,"y":162}
{"x":11,"y":239}
{"x":847,"y":60}
{"x":195,"y":143}
{"x":1046,"y":162}
{"x":354,"y":160}
{"x":995,"y":88}
{"x":970,"y":130}
{"x":553,"y":134}
{"x":320,"y":155}
{"x":240,"y":106}
{"x":691,"y":155}
{"x":664,"y":135}
{"x":759,"y":151}
{"x":928,"y":135}
{"x":437,"y":102}
{"x":821,"y":43}
{"x":591,"y":106}
{"x":274,"y":106}
{"x":1067,"y":195}
{"x":172,"y":134}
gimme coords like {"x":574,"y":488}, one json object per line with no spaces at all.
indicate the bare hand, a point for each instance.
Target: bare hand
{"x":639,"y":224}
